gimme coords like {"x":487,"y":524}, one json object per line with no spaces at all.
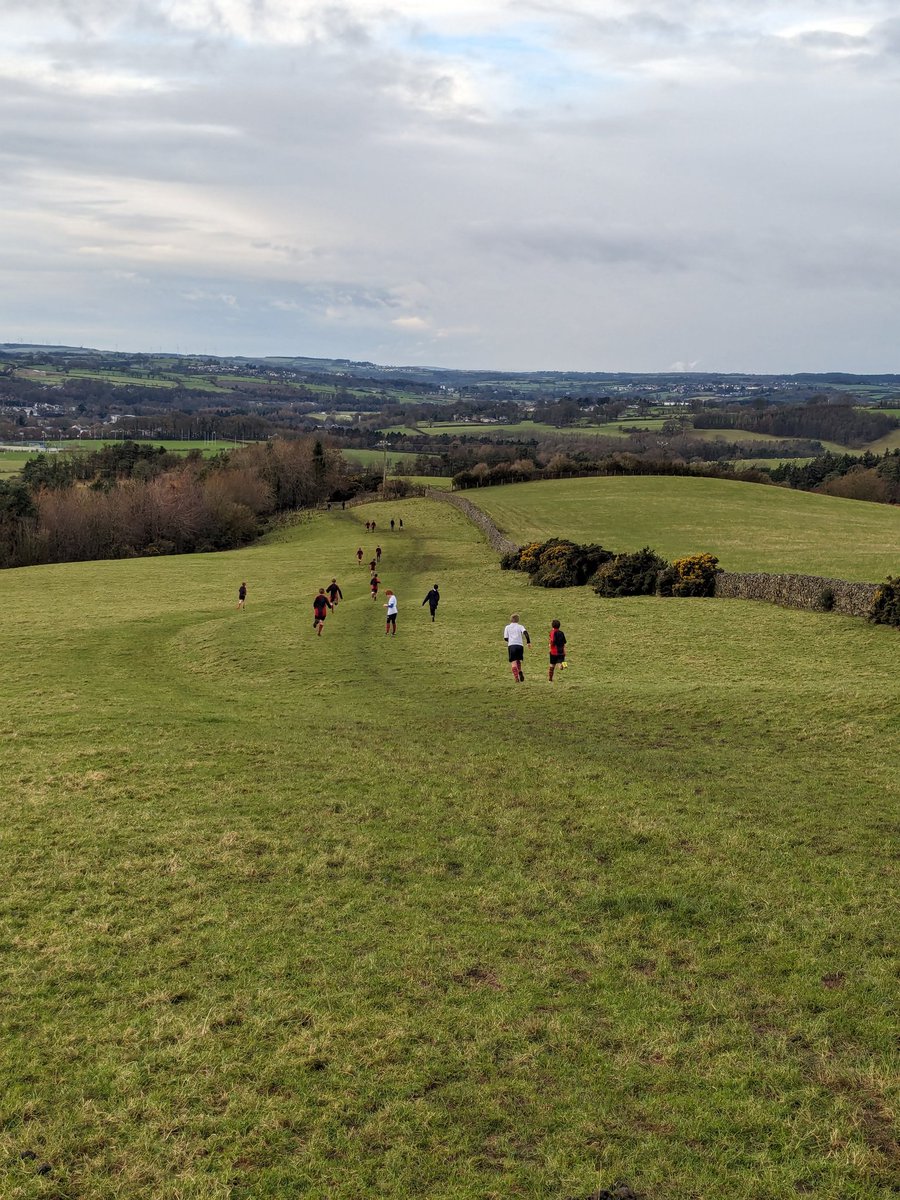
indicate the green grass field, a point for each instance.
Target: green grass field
{"x":173,"y":444}
{"x":616,"y":429}
{"x":12,"y":461}
{"x":374,"y":458}
{"x":287,"y":916}
{"x":750,"y":527}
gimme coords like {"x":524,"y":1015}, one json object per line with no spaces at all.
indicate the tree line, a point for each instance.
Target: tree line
{"x":826,"y":422}
{"x":131,"y":500}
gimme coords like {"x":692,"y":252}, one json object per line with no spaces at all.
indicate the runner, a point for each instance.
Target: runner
{"x":390,"y":625}
{"x":367,"y":526}
{"x":242,"y":595}
{"x":557,"y":649}
{"x":373,"y":586}
{"x":359,"y":555}
{"x":372,"y":566}
{"x":401,"y":524}
{"x":392,"y":524}
{"x":334,"y":593}
{"x":432,"y":600}
{"x":321,"y":605}
{"x":515,"y":636}
{"x":378,"y":553}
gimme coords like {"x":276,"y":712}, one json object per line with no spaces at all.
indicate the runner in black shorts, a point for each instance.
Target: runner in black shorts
{"x":321,"y":605}
{"x":334,"y":592}
{"x":557,"y":649}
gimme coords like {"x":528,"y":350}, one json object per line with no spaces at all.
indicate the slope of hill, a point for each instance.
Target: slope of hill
{"x":750,"y":528}
{"x":351,"y":915}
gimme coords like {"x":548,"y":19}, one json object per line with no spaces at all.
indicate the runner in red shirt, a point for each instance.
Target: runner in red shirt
{"x":557,"y":649}
{"x":321,"y":605}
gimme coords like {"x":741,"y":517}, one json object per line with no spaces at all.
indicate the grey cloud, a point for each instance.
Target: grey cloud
{"x":568,"y":242}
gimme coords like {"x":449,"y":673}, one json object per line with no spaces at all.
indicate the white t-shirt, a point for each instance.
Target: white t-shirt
{"x":392,"y":606}
{"x":515,"y":634}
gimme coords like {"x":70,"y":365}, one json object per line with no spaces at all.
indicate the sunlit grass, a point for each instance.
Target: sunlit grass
{"x":355,"y":916}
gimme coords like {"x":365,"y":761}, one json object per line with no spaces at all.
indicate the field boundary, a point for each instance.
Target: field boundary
{"x":815,"y":593}
{"x":812,"y":592}
{"x":495,"y":538}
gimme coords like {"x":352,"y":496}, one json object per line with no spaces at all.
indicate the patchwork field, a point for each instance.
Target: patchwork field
{"x":750,"y":527}
{"x":349,"y":916}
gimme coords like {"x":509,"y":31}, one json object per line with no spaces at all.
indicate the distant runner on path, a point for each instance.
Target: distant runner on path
{"x":557,"y":649}
{"x":359,"y":555}
{"x":515,"y":636}
{"x":373,"y":586}
{"x":334,"y":592}
{"x":392,"y":524}
{"x":378,"y":553}
{"x":321,"y":605}
{"x":372,"y":566}
{"x":390,"y":625}
{"x":433,"y":599}
{"x":242,"y":595}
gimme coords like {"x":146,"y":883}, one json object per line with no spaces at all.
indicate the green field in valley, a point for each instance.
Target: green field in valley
{"x":750,"y":527}
{"x":288,"y":916}
{"x":12,"y":461}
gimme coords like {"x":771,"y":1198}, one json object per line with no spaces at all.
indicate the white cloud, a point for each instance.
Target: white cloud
{"x":572,"y":183}
{"x":413,"y":324}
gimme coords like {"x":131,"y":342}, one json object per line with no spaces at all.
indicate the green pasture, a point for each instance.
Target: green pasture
{"x":214,"y":446}
{"x":355,"y":916}
{"x":615,"y":429}
{"x":750,"y":527}
{"x":441,"y":482}
{"x":373,"y":458}
{"x":12,"y":461}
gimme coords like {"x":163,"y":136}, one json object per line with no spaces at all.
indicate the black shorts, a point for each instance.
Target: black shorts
{"x":392,"y":619}
{"x":556,"y":659}
{"x":516,"y":653}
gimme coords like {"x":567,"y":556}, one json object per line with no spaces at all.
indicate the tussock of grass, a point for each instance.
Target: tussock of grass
{"x":353,"y":915}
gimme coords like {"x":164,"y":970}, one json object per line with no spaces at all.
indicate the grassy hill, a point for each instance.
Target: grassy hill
{"x":351,"y":916}
{"x":750,"y":527}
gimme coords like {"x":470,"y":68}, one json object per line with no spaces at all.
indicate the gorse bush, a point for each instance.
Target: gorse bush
{"x":694,"y":575}
{"x":885,"y":608}
{"x":557,"y":562}
{"x":634,"y":574}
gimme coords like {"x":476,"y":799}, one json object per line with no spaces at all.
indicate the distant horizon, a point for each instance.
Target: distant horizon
{"x":401,"y":366}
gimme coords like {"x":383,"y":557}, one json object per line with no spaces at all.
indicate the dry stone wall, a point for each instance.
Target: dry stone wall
{"x":495,"y":538}
{"x":797,"y":591}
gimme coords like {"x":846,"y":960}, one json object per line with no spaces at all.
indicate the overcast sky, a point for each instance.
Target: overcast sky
{"x":569,"y":184}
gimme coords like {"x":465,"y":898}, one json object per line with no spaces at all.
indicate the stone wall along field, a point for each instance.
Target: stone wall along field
{"x":797,"y":591}
{"x":495,"y":538}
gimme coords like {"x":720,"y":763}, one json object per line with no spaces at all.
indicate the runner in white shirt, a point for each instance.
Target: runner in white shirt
{"x":516,"y":636}
{"x":390,"y":625}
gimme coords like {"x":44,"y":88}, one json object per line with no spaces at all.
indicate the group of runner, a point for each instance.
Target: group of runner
{"x":515,"y":634}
